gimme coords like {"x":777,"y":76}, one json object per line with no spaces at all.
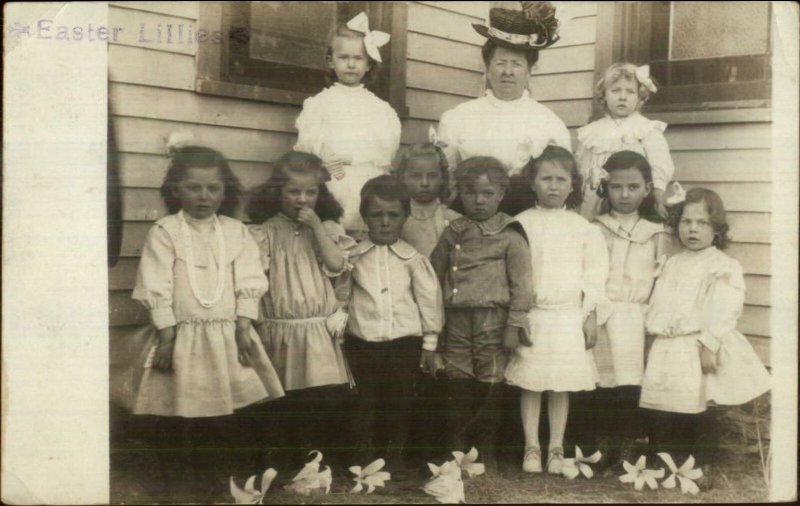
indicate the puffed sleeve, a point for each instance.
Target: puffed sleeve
{"x":428,"y":296}
{"x":154,"y":279}
{"x":560,"y":133}
{"x":448,"y":134}
{"x":520,"y":281}
{"x":394,"y":130}
{"x":346,"y":243}
{"x":249,"y":281}
{"x":583,"y":157}
{"x":595,"y":274}
{"x":657,"y":153}
{"x":722,"y":304}
{"x":310,"y":127}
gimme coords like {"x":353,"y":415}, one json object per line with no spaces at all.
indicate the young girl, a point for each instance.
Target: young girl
{"x":570,"y":265}
{"x":698,"y":357}
{"x":302,"y":247}
{"x":423,"y":170}
{"x":355,"y":133}
{"x":623,"y":91}
{"x":637,"y":245}
{"x":201,"y":279}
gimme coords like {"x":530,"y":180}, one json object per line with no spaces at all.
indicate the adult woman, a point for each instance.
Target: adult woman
{"x":506,"y":123}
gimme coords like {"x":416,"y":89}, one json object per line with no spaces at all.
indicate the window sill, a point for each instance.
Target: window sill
{"x":249,"y":92}
{"x":757,"y":115}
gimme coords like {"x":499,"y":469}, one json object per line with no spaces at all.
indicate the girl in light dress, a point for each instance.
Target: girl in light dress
{"x":423,"y":170}
{"x":637,"y":245}
{"x":698,"y":358}
{"x":201,"y":279}
{"x":570,"y":265}
{"x":302,"y":248}
{"x":355,"y":133}
{"x":623,"y":91}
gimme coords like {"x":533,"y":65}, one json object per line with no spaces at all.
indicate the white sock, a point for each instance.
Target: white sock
{"x":557,"y":409}
{"x":530,"y":407}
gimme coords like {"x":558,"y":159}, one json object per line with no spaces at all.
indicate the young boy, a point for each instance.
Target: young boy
{"x":395,"y":316}
{"x":483,"y":264}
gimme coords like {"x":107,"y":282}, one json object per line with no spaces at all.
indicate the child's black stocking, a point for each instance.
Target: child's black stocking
{"x":460,"y":400}
{"x":490,"y":398}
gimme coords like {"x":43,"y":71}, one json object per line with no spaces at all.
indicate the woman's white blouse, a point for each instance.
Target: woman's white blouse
{"x":350,"y":124}
{"x":512,"y":131}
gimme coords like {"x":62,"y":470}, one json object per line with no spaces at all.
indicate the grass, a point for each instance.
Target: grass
{"x":740,"y":475}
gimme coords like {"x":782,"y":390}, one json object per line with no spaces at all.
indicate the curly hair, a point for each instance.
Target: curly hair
{"x":615,"y":72}
{"x":374,"y":66}
{"x":623,"y":160}
{"x":469,"y":170}
{"x":384,"y":187}
{"x":425,"y":151}
{"x":266,"y":201}
{"x":716,"y":213}
{"x":194,"y":157}
{"x":563,"y":158}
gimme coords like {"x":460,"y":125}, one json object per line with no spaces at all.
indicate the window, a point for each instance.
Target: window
{"x":275,"y":51}
{"x":704,"y":55}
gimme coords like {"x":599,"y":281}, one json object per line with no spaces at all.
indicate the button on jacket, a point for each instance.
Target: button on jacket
{"x":391,"y":292}
{"x":485,"y":264}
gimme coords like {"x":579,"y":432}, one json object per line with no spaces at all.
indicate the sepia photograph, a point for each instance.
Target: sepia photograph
{"x":400,"y":252}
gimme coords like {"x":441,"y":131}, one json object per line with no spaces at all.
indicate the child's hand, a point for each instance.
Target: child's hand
{"x":162,"y":361}
{"x":308,"y":217}
{"x":431,"y":362}
{"x":708,"y":360}
{"x":659,"y":197}
{"x":590,"y":330}
{"x":514,"y":337}
{"x":243,"y":342}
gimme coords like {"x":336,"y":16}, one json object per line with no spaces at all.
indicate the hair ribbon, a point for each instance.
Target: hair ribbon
{"x":643,"y":76}
{"x":372,"y":39}
{"x":434,"y":139}
{"x":678,"y":194}
{"x":597,"y":176}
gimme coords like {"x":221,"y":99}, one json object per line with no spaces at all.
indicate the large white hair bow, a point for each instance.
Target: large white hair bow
{"x":643,"y":76}
{"x":434,"y":139}
{"x":372,"y":39}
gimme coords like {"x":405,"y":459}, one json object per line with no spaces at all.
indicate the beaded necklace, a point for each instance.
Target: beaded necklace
{"x":190,"y":267}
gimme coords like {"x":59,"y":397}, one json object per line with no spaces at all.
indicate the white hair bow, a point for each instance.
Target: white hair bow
{"x":372,"y":39}
{"x":434,"y":139}
{"x":678,"y":194}
{"x":643,"y":75}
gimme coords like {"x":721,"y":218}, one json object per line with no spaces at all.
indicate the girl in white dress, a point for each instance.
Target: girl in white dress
{"x":355,"y":133}
{"x":637,"y":245}
{"x":201,"y":279}
{"x":698,"y":357}
{"x":570,"y":266}
{"x":302,"y":250}
{"x":622,"y":91}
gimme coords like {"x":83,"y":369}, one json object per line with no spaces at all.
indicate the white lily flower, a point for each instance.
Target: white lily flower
{"x":639,"y":474}
{"x":571,"y":468}
{"x":446,"y":485}
{"x":686,"y":474}
{"x":466,"y":461}
{"x":310,"y":478}
{"x":249,"y":495}
{"x":370,"y":476}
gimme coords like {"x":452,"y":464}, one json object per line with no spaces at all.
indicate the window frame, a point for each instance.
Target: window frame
{"x":617,"y":44}
{"x":210,"y":58}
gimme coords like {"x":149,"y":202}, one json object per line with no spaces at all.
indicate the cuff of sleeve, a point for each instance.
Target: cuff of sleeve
{"x":708,"y":341}
{"x":517,"y":318}
{"x":163,"y":318}
{"x":429,"y":342}
{"x":247,"y":308}
{"x":603,"y":309}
